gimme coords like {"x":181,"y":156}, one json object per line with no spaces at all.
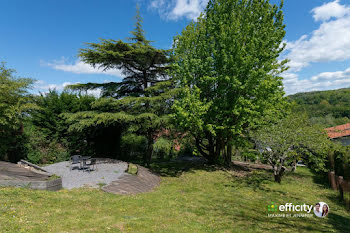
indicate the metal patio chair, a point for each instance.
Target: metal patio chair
{"x":75,"y":160}
{"x":93,"y":164}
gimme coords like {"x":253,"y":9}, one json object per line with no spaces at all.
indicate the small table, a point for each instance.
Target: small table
{"x":83,"y":160}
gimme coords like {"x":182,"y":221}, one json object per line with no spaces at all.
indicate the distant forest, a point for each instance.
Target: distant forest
{"x":328,"y":108}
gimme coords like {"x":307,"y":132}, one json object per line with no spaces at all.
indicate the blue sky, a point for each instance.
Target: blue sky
{"x":41,"y":38}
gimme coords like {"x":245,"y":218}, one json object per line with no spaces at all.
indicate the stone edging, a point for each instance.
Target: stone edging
{"x":144,"y":181}
{"x":51,"y":185}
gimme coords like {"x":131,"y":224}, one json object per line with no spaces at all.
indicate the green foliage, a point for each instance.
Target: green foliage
{"x":140,"y":63}
{"x":186,"y":143}
{"x":227,"y":66}
{"x":133,"y":146}
{"x":140,"y":103}
{"x":329,"y":120}
{"x":48,"y":118}
{"x":15,"y":104}
{"x":163,"y":147}
{"x":329,"y":108}
{"x":291,"y":139}
{"x":339,"y":160}
{"x":250,"y":155}
{"x":52,"y":128}
{"x":43,"y":150}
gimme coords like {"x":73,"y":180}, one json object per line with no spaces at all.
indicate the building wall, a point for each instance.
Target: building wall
{"x":344,"y":140}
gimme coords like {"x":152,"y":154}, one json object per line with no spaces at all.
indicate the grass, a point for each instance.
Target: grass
{"x":54,"y":177}
{"x":100,"y":185}
{"x":203,"y":199}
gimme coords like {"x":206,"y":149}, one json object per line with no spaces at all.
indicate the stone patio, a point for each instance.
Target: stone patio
{"x":106,"y":173}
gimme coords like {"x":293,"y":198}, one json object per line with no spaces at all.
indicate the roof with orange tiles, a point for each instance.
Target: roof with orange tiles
{"x":339,"y":131}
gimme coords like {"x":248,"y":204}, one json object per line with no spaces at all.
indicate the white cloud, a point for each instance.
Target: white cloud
{"x":329,"y":43}
{"x":330,"y":76}
{"x":176,"y":9}
{"x":329,"y":10}
{"x":80,"y":67}
{"x":322,"y":81}
{"x":43,"y":87}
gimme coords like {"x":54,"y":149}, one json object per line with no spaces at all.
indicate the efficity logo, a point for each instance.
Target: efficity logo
{"x":272,"y":207}
{"x":293,"y":210}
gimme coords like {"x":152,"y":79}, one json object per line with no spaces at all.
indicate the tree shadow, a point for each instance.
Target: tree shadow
{"x":321,"y":179}
{"x":176,"y":168}
{"x":259,"y":220}
{"x":254,"y":179}
{"x":340,"y":223}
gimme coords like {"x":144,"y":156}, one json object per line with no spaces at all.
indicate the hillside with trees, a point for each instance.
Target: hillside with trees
{"x":328,"y":108}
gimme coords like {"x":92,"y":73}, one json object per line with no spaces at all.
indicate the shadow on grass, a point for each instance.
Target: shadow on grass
{"x":340,"y":223}
{"x":320,"y":179}
{"x":255,"y":179}
{"x":176,"y":168}
{"x":253,"y":218}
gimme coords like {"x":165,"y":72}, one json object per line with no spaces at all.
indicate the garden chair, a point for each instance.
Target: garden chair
{"x":92,"y":164}
{"x":75,"y":159}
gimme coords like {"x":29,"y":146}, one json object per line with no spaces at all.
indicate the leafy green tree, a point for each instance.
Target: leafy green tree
{"x":48,"y":119}
{"x":227,"y":66}
{"x":290,"y":139}
{"x":15,"y":103}
{"x":49,"y":128}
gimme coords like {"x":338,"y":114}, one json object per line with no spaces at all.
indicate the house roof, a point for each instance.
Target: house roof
{"x":339,"y":131}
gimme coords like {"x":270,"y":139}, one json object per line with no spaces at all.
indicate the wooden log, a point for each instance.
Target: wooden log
{"x":32,"y":165}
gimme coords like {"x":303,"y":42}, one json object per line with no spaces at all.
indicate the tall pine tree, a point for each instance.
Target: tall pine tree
{"x":142,"y":99}
{"x":142,"y":64}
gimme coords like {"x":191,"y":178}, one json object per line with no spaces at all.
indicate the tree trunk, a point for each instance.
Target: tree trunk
{"x":228,"y":154}
{"x":294,"y":165}
{"x":218,"y":148}
{"x":148,"y":156}
{"x":211,"y":150}
{"x":278,"y":178}
{"x":278,"y":173}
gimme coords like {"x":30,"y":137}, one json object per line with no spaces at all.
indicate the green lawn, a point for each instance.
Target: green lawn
{"x":197,"y":200}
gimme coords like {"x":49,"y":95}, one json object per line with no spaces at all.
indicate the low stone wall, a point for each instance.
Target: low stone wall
{"x":51,"y":185}
{"x":143,"y":181}
{"x":27,"y":175}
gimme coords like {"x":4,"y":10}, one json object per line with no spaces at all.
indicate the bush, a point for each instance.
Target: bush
{"x":339,"y":161}
{"x":15,"y":102}
{"x":133,"y":146}
{"x":39,"y":150}
{"x":186,"y":146}
{"x":162,"y":148}
{"x":250,"y":155}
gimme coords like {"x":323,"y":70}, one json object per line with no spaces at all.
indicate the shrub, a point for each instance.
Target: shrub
{"x":250,"y":155}
{"x":40,"y":150}
{"x":186,"y":146}
{"x":133,"y":146}
{"x":339,"y":161}
{"x":162,"y":147}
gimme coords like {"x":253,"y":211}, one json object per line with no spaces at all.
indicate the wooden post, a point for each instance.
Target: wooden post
{"x":332,"y":181}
